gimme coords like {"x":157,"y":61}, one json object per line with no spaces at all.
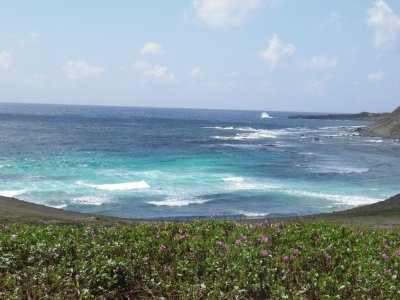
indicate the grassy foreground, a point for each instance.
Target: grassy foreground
{"x":199,"y":260}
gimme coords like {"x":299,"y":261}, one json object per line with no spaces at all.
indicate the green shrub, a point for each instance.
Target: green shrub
{"x":199,"y":260}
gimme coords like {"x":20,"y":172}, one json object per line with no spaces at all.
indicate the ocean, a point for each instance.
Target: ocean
{"x":187,"y":163}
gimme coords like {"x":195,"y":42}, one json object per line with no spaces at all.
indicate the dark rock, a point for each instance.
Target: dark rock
{"x":364,"y":116}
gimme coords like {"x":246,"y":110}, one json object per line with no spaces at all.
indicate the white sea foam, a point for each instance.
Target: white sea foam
{"x":251,"y":214}
{"x":90,"y":200}
{"x":250,"y":129}
{"x":354,"y":200}
{"x":265,"y":115}
{"x":250,"y":135}
{"x":61,"y":206}
{"x":243,"y":186}
{"x":308,"y":153}
{"x":243,"y":146}
{"x":177,"y":202}
{"x":340,"y":170}
{"x":12,"y":193}
{"x":118,"y":186}
{"x":340,"y":127}
{"x":233,"y":179}
{"x":374,"y":141}
{"x":238,"y":184}
{"x":220,"y":128}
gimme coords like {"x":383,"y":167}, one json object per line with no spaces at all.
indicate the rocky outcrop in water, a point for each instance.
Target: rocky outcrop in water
{"x":387,"y":126}
{"x":364,"y":116}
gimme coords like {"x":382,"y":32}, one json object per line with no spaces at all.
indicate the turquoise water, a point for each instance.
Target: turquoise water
{"x":160,"y":163}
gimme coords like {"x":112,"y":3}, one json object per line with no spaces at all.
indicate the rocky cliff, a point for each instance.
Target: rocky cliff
{"x":387,"y":126}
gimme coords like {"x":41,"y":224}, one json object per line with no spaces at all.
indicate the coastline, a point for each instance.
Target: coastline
{"x":383,"y":214}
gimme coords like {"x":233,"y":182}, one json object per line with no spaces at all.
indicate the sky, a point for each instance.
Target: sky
{"x":272,"y":55}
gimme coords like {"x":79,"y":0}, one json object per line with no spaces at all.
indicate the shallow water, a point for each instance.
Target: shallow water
{"x":159,"y":163}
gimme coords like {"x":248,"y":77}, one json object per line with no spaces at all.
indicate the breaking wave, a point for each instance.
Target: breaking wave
{"x":12,"y":193}
{"x":177,"y":202}
{"x":118,"y":186}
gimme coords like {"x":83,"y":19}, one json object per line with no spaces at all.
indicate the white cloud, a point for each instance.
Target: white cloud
{"x":81,"y":69}
{"x":207,"y":85}
{"x":32,"y":39}
{"x":35,"y":79}
{"x":5,"y":60}
{"x":157,"y":73}
{"x":195,"y":73}
{"x":333,"y":21}
{"x":275,"y":3}
{"x":385,"y":23}
{"x":318,"y":86}
{"x":276,"y":51}
{"x":375,"y":77}
{"x":152,"y":48}
{"x":233,"y":74}
{"x":322,"y":62}
{"x":224,"y":13}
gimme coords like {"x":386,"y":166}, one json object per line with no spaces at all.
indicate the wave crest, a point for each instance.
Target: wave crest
{"x":11,"y":194}
{"x":177,"y":202}
{"x":119,"y":186}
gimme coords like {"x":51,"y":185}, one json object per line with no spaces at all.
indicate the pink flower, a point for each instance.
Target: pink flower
{"x":265,"y":252}
{"x":388,"y":271}
{"x":384,"y":241}
{"x":387,"y":247}
{"x":219,"y":243}
{"x":384,"y":256}
{"x":167,"y":271}
{"x":303,"y":248}
{"x":88,"y":228}
{"x":360,"y":232}
{"x":379,"y":248}
{"x":237,"y":242}
{"x":163,"y":248}
{"x":327,"y":257}
{"x":244,"y":238}
{"x":284,"y":272}
{"x":286,"y":259}
{"x":296,"y":252}
{"x":181,"y":237}
{"x":396,"y":252}
{"x":126,"y":251}
{"x":14,"y":236}
{"x":266,"y":239}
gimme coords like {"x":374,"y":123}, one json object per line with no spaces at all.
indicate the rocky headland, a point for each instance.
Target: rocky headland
{"x":363,"y":116}
{"x":387,"y":126}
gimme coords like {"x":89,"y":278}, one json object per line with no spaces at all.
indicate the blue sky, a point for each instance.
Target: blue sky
{"x":288,"y":55}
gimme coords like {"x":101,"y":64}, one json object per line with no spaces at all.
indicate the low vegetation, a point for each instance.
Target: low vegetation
{"x":199,"y":260}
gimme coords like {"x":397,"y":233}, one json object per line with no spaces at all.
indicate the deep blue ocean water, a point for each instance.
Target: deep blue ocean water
{"x":162,"y":163}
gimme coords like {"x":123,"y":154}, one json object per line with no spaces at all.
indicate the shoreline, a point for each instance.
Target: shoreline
{"x":383,"y":214}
